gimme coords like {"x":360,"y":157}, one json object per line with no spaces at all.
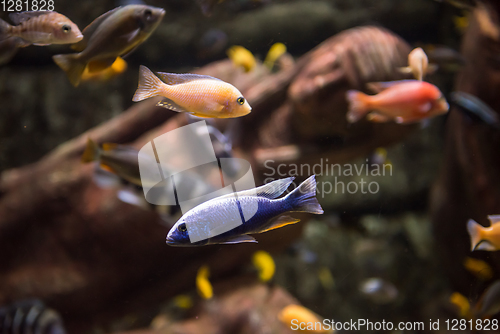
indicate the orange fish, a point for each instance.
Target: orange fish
{"x":405,"y":101}
{"x":485,"y":238}
{"x":40,"y":28}
{"x":199,"y":95}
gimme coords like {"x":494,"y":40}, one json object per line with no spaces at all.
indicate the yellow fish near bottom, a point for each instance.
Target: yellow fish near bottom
{"x":199,"y":95}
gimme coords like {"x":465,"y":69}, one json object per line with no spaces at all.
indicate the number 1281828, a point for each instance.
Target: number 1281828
{"x":26,"y":5}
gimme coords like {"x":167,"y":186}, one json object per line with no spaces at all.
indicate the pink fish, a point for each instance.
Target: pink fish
{"x":405,"y":101}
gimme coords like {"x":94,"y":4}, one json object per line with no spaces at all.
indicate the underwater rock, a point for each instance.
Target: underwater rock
{"x":243,"y":307}
{"x":469,"y":183}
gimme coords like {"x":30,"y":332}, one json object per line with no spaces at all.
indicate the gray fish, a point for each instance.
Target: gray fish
{"x":230,"y":218}
{"x":113,"y":34}
{"x":8,"y":48}
{"x":489,"y":303}
{"x":117,"y":163}
{"x":118,"y":159}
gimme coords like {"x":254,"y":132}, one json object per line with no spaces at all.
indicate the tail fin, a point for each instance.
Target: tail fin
{"x":4,"y":30}
{"x":358,"y":105}
{"x":149,"y":85}
{"x":91,"y":152}
{"x":71,"y":64}
{"x":303,"y":198}
{"x":474,"y":230}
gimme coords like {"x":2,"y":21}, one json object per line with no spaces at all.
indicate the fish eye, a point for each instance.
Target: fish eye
{"x":148,"y":14}
{"x":66,"y":28}
{"x":182,"y":227}
{"x":240,"y":100}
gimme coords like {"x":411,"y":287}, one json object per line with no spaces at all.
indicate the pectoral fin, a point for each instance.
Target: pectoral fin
{"x":378,"y":87}
{"x":169,"y":104}
{"x":239,"y":239}
{"x":133,"y":34}
{"x":424,"y":108}
{"x":279,"y":222}
{"x":377,"y":118}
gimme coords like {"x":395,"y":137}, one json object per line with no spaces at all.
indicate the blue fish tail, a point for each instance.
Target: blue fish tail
{"x":303,"y":198}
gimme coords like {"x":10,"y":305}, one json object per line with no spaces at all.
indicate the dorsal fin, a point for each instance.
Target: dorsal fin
{"x":270,"y":190}
{"x":18,"y":18}
{"x":378,"y":87}
{"x":494,"y":219}
{"x":175,"y":79}
{"x":91,"y":28}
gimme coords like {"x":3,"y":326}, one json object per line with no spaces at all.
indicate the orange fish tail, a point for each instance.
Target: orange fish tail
{"x":475,"y":233}
{"x":4,"y":30}
{"x":71,"y":64}
{"x":149,"y":85}
{"x":91,"y":152}
{"x":358,"y":105}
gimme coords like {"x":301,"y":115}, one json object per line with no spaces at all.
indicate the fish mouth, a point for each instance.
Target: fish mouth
{"x":170,"y":241}
{"x":159,"y":12}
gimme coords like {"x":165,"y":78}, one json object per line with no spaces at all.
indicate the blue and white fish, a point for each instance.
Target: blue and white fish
{"x":230,"y":218}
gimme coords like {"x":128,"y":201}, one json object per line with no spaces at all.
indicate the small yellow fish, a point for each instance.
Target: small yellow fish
{"x":485,"y":238}
{"x":183,"y":301}
{"x":326,"y":278}
{"x":461,"y":303}
{"x":418,"y":64}
{"x":479,"y":268}
{"x":264,"y":263}
{"x":40,"y":28}
{"x":118,"y":67}
{"x":275,"y":52}
{"x":203,"y":285}
{"x":241,"y":57}
{"x":199,"y":95}
{"x":461,"y":23}
{"x":297,"y":316}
